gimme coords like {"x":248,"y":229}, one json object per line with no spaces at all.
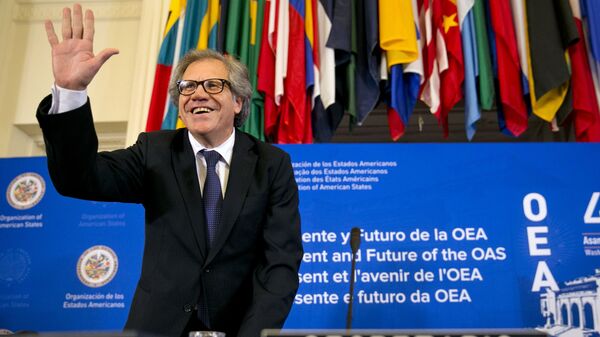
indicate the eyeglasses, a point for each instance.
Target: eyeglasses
{"x":211,"y":86}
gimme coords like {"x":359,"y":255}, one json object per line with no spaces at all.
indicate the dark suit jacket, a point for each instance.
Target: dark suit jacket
{"x":248,"y":278}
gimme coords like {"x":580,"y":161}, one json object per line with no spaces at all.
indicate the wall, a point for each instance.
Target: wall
{"x":120,"y":92}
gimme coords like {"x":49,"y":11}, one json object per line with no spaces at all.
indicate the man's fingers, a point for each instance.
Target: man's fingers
{"x":77,"y":22}
{"x":67,"y":31}
{"x":104,"y":55}
{"x":52,"y":38}
{"x":88,"y":33}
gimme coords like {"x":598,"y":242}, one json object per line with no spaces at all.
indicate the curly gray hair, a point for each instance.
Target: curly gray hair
{"x":238,"y":77}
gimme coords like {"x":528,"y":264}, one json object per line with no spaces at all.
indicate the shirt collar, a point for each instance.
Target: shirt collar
{"x":225,"y":149}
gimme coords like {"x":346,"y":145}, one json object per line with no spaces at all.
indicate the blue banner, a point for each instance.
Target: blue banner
{"x":65,"y":264}
{"x":452,"y":236}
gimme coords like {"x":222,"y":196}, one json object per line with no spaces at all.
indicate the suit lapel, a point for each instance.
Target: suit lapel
{"x":242,"y":166}
{"x":184,"y":167}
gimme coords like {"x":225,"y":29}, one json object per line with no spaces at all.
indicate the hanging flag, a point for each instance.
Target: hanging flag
{"x":485,"y":74}
{"x":209,"y":28}
{"x":402,"y":41}
{"x":313,"y":88}
{"x":351,"y":69}
{"x":467,"y":27}
{"x":511,"y":106}
{"x":395,"y":125}
{"x":326,"y":53}
{"x":435,"y":58}
{"x":519,"y":21}
{"x":325,"y":118}
{"x":237,"y":34}
{"x":265,"y":82}
{"x":398,"y":36}
{"x":413,"y":72}
{"x":240,"y":41}
{"x":166,"y":56}
{"x":279,"y":32}
{"x":585,"y":105}
{"x":494,"y":60}
{"x":445,"y":20}
{"x":222,"y":26}
{"x":368,"y":56}
{"x":551,"y":30}
{"x":195,"y":13}
{"x":590,"y":17}
{"x":292,"y":126}
{"x":254,"y":125}
{"x":397,"y":31}
{"x":590,"y":13}
{"x":342,"y":38}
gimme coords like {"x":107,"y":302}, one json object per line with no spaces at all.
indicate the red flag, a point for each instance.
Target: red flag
{"x":395,"y":124}
{"x":509,"y":71}
{"x":430,"y":90}
{"x":266,"y":73}
{"x":292,"y":125}
{"x":445,"y":19}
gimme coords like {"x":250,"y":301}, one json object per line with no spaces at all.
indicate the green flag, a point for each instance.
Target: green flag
{"x":486,"y":75}
{"x":242,"y":40}
{"x":255,"y":124}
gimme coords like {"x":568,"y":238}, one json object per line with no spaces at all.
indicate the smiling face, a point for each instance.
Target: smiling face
{"x":208,"y":117}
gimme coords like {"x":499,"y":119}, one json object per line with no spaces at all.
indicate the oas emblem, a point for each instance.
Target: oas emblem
{"x":6,"y":332}
{"x":97,"y":266}
{"x":26,"y":190}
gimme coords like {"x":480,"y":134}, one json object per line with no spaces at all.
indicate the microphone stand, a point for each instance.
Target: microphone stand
{"x":351,"y":299}
{"x":354,"y":244}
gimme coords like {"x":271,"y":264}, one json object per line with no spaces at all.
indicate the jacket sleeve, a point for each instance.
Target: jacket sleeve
{"x":78,"y":170}
{"x":275,"y":279}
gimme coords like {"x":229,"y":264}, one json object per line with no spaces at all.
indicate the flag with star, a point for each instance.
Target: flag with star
{"x":445,"y":18}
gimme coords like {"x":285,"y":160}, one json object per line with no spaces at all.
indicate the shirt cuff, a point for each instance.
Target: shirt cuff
{"x":64,"y":100}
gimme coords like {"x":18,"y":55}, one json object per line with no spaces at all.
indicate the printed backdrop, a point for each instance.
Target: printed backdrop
{"x":452,"y":236}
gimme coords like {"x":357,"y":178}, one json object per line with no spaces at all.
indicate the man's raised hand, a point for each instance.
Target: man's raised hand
{"x":73,"y":61}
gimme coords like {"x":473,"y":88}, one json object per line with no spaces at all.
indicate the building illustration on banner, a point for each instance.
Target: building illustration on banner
{"x":573,"y":310}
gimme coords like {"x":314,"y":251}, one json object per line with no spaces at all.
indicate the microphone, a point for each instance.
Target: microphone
{"x":354,"y":239}
{"x":354,"y":244}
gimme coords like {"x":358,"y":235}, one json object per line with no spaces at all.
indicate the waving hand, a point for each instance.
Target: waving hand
{"x":73,"y":61}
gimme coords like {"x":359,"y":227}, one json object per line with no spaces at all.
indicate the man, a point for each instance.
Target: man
{"x":222,"y":246}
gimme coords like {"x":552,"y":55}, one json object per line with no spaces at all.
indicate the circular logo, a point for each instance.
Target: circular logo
{"x":14,"y":265}
{"x":97,"y":266}
{"x":26,"y":190}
